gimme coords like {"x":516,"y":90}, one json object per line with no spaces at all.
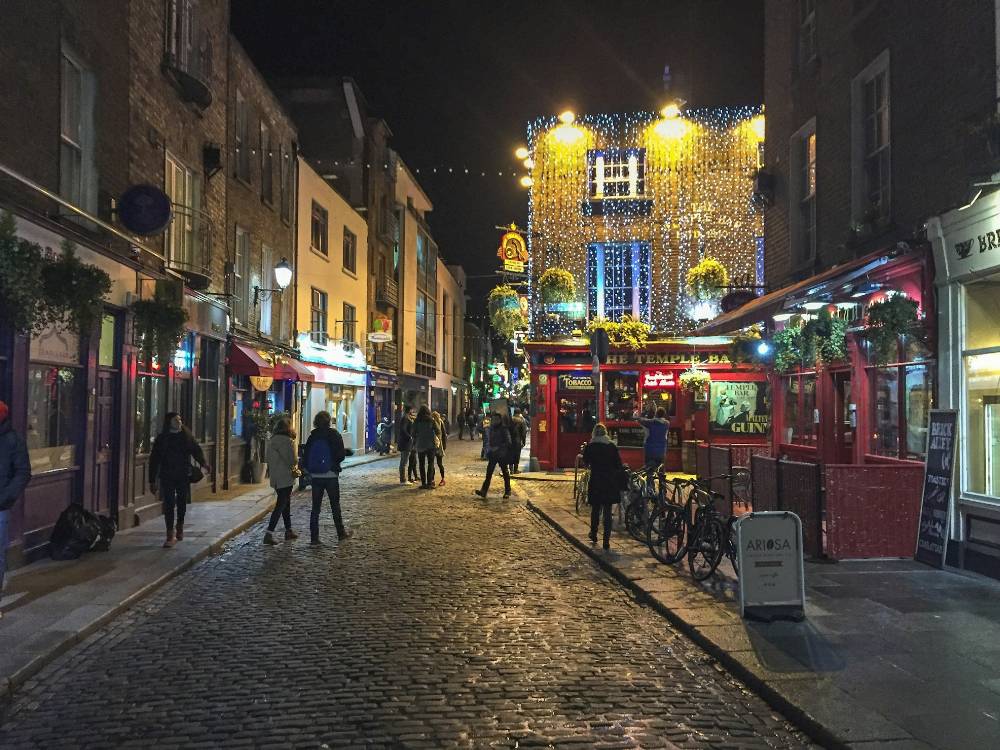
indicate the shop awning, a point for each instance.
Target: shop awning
{"x":289,"y":368}
{"x":763,"y":307}
{"x":243,"y":360}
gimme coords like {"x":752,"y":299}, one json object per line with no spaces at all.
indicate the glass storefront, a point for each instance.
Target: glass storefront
{"x":981,"y":366}
{"x":799,"y":426}
{"x":621,"y":396}
{"x":49,"y":435}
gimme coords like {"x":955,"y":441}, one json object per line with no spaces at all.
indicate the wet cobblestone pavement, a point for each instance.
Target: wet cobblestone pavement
{"x":446,"y":621}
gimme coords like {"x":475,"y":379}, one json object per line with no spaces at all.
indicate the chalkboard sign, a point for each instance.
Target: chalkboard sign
{"x":932,"y":534}
{"x":628,"y":437}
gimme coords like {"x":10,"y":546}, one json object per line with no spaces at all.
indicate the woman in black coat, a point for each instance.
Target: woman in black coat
{"x":604,"y":487}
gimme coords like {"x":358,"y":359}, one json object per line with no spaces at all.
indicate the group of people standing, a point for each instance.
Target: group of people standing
{"x":421,"y":438}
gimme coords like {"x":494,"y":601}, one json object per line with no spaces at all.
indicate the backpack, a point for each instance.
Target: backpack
{"x":319,"y":459}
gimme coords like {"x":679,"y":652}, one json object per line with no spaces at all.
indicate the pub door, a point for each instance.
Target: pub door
{"x":845,"y":421}
{"x":577,"y":417}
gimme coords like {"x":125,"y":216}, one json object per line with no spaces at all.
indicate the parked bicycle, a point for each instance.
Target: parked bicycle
{"x":641,"y":500}
{"x":581,"y":480}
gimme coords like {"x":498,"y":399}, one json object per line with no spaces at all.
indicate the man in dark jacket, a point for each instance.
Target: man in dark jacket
{"x":170,"y":472}
{"x":325,"y":453}
{"x":404,"y":441}
{"x":15,"y":471}
{"x":655,"y":445}
{"x":498,"y":454}
{"x":519,"y":429}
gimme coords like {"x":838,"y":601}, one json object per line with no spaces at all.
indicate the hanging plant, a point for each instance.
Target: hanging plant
{"x":743,"y":348}
{"x":557,"y":285}
{"x":886,"y":321}
{"x":827,"y":337}
{"x":21,"y":290}
{"x":505,"y":310}
{"x":74,"y":291}
{"x":694,"y":380}
{"x":630,"y":332}
{"x":706,"y":280}
{"x":788,"y":348}
{"x":159,"y":323}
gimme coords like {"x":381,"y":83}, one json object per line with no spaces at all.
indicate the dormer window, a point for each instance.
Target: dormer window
{"x":617,"y":173}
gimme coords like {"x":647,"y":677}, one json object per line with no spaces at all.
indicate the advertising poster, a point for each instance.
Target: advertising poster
{"x":739,"y":408}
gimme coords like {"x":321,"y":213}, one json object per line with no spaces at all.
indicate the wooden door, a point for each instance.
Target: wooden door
{"x":104,"y":494}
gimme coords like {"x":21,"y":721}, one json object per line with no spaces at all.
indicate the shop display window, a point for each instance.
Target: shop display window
{"x":982,"y":427}
{"x":799,"y":425}
{"x":621,"y":396}
{"x":150,"y":404}
{"x":49,"y":433}
{"x":239,"y":402}
{"x":653,"y":399}
{"x":206,"y":414}
{"x":899,"y":419}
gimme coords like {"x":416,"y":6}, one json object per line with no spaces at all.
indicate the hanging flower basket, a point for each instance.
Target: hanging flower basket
{"x":706,"y":281}
{"x":629,"y":332}
{"x":886,"y":321}
{"x":694,"y":380}
{"x":505,"y":310}
{"x":159,"y":325}
{"x":557,"y":285}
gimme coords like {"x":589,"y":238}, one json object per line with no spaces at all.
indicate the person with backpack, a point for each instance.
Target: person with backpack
{"x":426,"y":441}
{"x":325,"y":453}
{"x":15,"y":471}
{"x":282,"y":467}
{"x":498,"y":455}
{"x":605,"y":485}
{"x":439,"y":453}
{"x":171,"y":471}
{"x":519,"y":434}
{"x":404,"y":442}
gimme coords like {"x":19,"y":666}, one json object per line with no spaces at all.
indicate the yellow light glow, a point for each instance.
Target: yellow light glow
{"x":757,"y":124}
{"x":567,"y":117}
{"x":671,"y":111}
{"x":529,"y":163}
{"x":521,"y":153}
{"x":672,"y":129}
{"x":981,"y":363}
{"x":567,"y":134}
{"x":527,"y":181}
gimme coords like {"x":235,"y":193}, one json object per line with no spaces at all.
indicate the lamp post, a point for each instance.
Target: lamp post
{"x":282,"y":277}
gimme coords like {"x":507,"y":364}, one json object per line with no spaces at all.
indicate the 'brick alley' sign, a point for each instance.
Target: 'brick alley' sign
{"x":932,"y":534}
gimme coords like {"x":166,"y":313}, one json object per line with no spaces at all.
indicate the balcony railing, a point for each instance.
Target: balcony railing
{"x":386,"y":356}
{"x":188,"y":245}
{"x":387,"y":293}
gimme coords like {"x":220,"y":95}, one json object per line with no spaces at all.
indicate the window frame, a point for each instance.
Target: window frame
{"x":319,"y":309}
{"x":807,"y":47}
{"x":901,"y":365}
{"x":627,"y":167}
{"x":266,"y":165}
{"x":285,"y":184}
{"x":241,"y":139}
{"x":804,"y":417}
{"x":350,"y":251}
{"x":639,"y":280}
{"x":241,"y":275}
{"x":320,"y":217}
{"x":350,"y":323}
{"x":264,"y":325}
{"x":800,"y":201}
{"x":862,"y":209}
{"x":83,"y":190}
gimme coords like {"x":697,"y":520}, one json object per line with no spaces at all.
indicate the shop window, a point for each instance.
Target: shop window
{"x":150,"y":404}
{"x":799,"y":425}
{"x":902,"y":397}
{"x":238,"y":403}
{"x":206,"y":414}
{"x":982,"y":438}
{"x":621,"y":396}
{"x":618,"y":280}
{"x":49,"y":435}
{"x":106,"y":350}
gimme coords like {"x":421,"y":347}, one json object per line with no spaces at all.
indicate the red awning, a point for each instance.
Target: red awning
{"x":768,"y":304}
{"x":243,"y":360}
{"x":288,"y":368}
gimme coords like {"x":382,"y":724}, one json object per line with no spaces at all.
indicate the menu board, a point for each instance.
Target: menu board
{"x":932,"y":533}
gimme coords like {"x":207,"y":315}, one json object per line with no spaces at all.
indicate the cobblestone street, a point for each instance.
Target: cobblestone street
{"x":446,"y":621}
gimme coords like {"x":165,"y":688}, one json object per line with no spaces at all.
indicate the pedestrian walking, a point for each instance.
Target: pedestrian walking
{"x":519,"y":435}
{"x":604,"y":487}
{"x":498,"y":455}
{"x":404,"y":442}
{"x":426,"y":440}
{"x":462,"y":424}
{"x":484,"y":431}
{"x":15,"y":471}
{"x":171,"y":471}
{"x":325,"y":453}
{"x":283,"y":468}
{"x":655,"y":444}
{"x":470,"y":420}
{"x":439,"y":453}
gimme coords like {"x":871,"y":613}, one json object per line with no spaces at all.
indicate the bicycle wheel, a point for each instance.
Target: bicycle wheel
{"x":665,"y":533}
{"x":581,"y":490}
{"x":635,"y":517}
{"x":706,"y":548}
{"x":731,"y":550}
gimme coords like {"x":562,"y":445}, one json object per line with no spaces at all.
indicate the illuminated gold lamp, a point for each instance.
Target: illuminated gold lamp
{"x":527,"y":182}
{"x":529,"y":163}
{"x":567,"y":117}
{"x":521,"y":153}
{"x":757,"y":124}
{"x":671,"y":129}
{"x":671,"y":112}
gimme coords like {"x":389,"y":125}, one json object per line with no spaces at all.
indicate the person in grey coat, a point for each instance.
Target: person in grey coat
{"x":426,"y":441}
{"x":15,"y":471}
{"x":282,"y":467}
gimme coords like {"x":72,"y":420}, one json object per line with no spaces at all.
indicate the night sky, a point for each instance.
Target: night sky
{"x":458,"y":81}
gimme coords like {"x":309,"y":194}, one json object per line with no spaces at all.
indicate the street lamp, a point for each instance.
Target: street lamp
{"x":282,"y":277}
{"x":521,"y":153}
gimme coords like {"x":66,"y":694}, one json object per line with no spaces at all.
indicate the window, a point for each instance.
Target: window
{"x":183,"y":186}
{"x":241,"y":272}
{"x":242,"y":135}
{"x":317,"y":318}
{"x":77,"y":176}
{"x":902,"y":402}
{"x":285,"y":168}
{"x":421,"y":317}
{"x":267,"y":273}
{"x":350,"y":322}
{"x":107,"y":352}
{"x":871,"y":143}
{"x":150,"y":403}
{"x":803,"y":192}
{"x":350,"y":251}
{"x":186,"y":45}
{"x":266,"y":165}
{"x":807,"y":31}
{"x":239,"y":403}
{"x":206,"y":414}
{"x":51,"y":417}
{"x":320,"y":234}
{"x":445,"y":338}
{"x":430,"y":343}
{"x":799,"y":426}
{"x":618,"y":280}
{"x":617,"y":173}
{"x":621,"y":396}
{"x":981,"y":350}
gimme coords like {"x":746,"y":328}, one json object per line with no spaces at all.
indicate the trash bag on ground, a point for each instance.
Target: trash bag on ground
{"x":78,"y":531}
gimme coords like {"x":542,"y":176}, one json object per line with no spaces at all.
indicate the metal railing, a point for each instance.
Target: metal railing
{"x":387,"y":293}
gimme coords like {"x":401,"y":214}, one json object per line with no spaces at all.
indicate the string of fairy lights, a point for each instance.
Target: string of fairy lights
{"x":679,"y":183}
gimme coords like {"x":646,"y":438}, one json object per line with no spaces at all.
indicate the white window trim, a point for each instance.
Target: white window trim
{"x":267,"y":275}
{"x":88,"y":97}
{"x":630,"y":172}
{"x":319,"y":337}
{"x":241,"y":277}
{"x":600,"y":253}
{"x":800,"y":255}
{"x":859,"y":196}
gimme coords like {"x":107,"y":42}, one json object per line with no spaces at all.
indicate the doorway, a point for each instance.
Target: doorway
{"x":845,"y":423}
{"x":104,"y":488}
{"x":577,"y":417}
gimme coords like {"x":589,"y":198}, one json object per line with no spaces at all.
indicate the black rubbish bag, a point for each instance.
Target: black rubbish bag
{"x":108,"y":530}
{"x":77,"y":531}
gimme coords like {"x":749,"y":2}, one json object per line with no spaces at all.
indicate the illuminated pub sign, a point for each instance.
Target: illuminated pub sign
{"x":513,"y":251}
{"x":666,"y":358}
{"x":658,"y":379}
{"x":739,"y":408}
{"x":576,"y":383}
